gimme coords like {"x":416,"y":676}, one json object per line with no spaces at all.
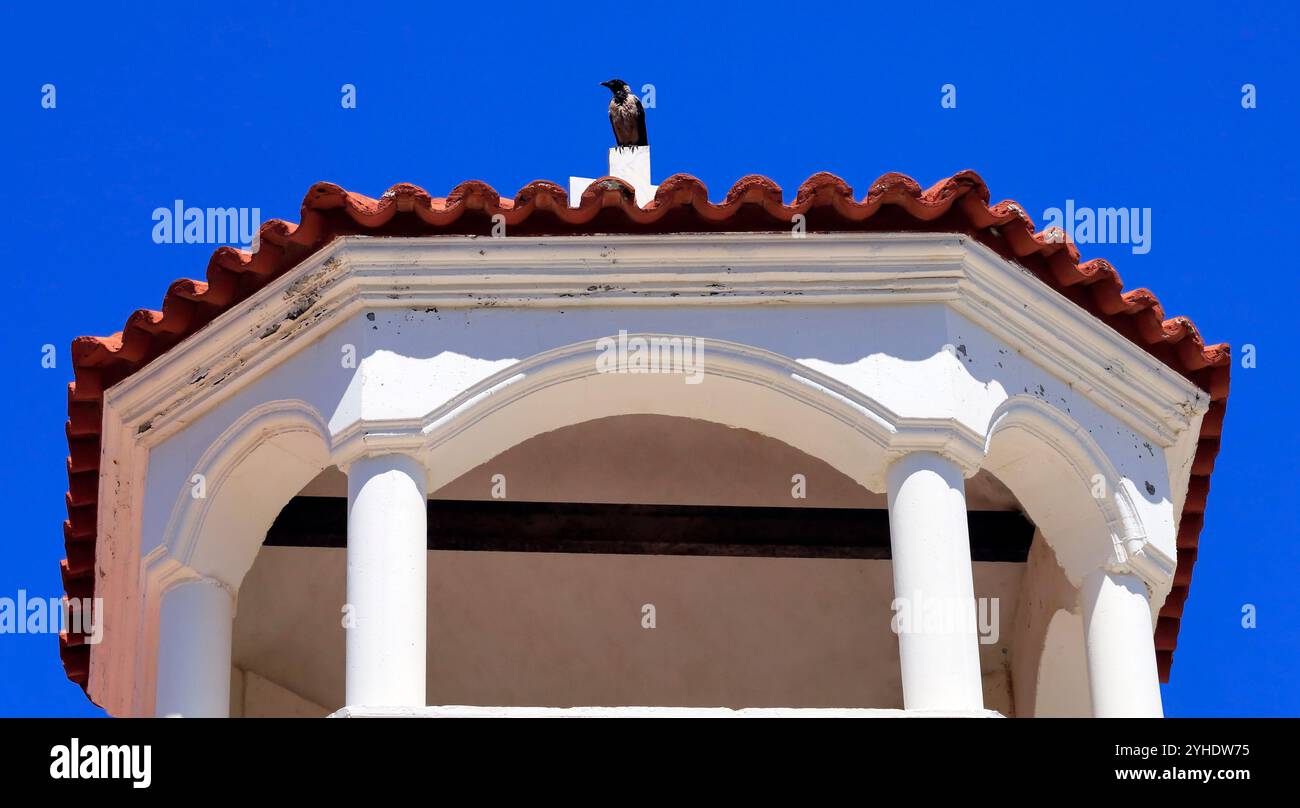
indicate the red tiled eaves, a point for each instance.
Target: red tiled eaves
{"x":681,"y":205}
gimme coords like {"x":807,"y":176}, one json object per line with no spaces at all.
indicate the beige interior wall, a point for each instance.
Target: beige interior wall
{"x":565,"y":629}
{"x":1047,"y":671}
{"x":254,"y":696}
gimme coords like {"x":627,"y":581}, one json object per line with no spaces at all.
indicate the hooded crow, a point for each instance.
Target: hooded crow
{"x":626,"y":115}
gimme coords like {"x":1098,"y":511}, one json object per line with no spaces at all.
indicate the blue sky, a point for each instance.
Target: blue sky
{"x":1106,"y":104}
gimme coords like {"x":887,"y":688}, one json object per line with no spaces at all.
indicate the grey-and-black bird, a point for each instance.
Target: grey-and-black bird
{"x":626,"y":115}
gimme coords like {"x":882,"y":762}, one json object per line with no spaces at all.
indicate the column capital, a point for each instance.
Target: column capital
{"x":947,"y":437}
{"x":206,"y":580}
{"x":368,"y":439}
{"x":1141,"y":558}
{"x":166,"y":573}
{"x":374,"y":446}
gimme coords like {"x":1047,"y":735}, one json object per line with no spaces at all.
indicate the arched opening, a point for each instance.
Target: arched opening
{"x":737,"y":386}
{"x":512,"y":627}
{"x":1062,"y":478}
{"x":1081,"y":510}
{"x":238,"y":486}
{"x":227,"y":503}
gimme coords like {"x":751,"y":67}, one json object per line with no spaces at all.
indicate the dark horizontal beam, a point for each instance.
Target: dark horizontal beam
{"x":699,"y":530}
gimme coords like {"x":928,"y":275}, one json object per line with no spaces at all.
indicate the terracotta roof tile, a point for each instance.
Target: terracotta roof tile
{"x":894,"y":202}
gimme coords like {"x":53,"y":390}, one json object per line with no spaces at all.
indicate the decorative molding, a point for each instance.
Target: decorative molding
{"x":944,"y":436}
{"x":357,"y":273}
{"x":224,"y":455}
{"x":1146,"y":561}
{"x":1099,"y":362}
{"x":1130,"y":545}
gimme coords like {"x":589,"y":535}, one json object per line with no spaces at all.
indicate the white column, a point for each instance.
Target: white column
{"x":194,"y":650}
{"x":386,"y":590}
{"x":1120,"y":647}
{"x":932,"y":575}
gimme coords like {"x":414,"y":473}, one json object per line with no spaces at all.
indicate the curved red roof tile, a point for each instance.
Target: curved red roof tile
{"x":681,"y":205}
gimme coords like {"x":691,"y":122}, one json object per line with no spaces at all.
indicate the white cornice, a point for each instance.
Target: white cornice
{"x":358,"y":273}
{"x":1128,"y":382}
